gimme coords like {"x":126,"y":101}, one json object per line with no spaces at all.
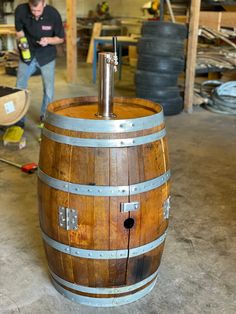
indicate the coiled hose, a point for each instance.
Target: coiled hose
{"x":221,"y":99}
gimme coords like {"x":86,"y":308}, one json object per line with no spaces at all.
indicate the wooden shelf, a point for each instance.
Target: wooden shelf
{"x":220,"y":3}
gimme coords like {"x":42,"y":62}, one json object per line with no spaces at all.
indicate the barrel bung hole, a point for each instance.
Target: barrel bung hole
{"x":129,"y":223}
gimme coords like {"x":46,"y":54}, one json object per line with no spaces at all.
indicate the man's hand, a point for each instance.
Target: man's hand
{"x":44,"y":41}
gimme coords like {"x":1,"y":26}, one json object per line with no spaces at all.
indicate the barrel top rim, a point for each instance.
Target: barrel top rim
{"x":116,"y":125}
{"x":83,"y":100}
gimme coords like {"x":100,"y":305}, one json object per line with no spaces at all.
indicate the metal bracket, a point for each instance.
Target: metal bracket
{"x":166,"y":208}
{"x":129,"y":207}
{"x":68,"y":218}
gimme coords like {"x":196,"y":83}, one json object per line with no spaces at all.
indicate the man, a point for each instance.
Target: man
{"x":42,"y":26}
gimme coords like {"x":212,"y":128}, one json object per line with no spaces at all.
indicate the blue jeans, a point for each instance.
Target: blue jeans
{"x":47,"y":74}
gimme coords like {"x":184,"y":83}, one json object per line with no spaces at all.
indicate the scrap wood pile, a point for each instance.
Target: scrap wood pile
{"x":215,"y":58}
{"x":226,"y":35}
{"x":9,"y":60}
{"x":8,"y":56}
{"x":212,"y":57}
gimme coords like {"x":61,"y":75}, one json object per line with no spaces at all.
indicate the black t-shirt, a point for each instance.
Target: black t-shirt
{"x":49,"y":24}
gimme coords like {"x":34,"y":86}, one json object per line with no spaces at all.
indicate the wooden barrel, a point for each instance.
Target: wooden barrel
{"x":104,"y":199}
{"x":14,"y":104}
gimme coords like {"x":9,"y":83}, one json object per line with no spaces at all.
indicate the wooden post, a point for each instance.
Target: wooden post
{"x":170,"y":11}
{"x":71,"y":41}
{"x":191,"y":54}
{"x":161,"y":10}
{"x":96,"y":32}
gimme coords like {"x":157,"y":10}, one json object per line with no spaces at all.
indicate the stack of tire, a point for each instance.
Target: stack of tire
{"x":160,"y":61}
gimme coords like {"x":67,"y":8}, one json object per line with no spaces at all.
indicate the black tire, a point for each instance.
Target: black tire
{"x":156,"y":92}
{"x":160,"y":47}
{"x":164,"y":29}
{"x":147,"y":79}
{"x":171,"y":106}
{"x":160,"y":64}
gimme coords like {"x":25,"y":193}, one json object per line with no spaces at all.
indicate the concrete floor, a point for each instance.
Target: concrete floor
{"x":197,"y":273}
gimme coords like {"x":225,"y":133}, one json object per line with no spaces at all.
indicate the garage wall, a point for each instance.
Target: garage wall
{"x":125,"y":8}
{"x":118,"y":8}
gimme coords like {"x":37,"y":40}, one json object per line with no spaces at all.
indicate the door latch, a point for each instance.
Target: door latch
{"x":129,"y":207}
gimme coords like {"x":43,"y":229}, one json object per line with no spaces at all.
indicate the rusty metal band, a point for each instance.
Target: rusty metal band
{"x":104,"y":126}
{"x":103,"y":254}
{"x":102,"y":190}
{"x":115,"y":290}
{"x":104,"y":302}
{"x":92,"y":142}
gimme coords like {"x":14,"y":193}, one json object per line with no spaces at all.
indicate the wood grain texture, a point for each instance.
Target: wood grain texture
{"x":191,"y":55}
{"x":71,"y":41}
{"x":100,"y":221}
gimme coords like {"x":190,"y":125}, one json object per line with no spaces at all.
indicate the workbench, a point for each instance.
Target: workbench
{"x":121,"y":41}
{"x":7,"y":29}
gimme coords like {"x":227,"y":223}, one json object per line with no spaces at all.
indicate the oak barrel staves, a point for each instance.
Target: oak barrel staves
{"x":103,"y":194}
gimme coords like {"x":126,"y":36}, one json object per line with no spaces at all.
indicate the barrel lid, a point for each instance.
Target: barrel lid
{"x":14,"y":104}
{"x":79,"y":114}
